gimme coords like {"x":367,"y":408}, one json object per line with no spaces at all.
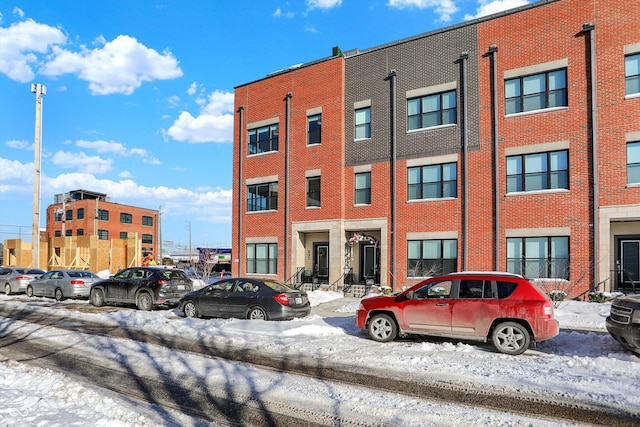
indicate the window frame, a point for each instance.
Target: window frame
{"x":124,"y":235}
{"x":634,"y":164}
{"x":519,"y":100}
{"x":260,"y":146}
{"x":80,"y":232}
{"x":314,"y":186}
{"x":147,"y":239}
{"x":262,"y":265}
{"x":271,"y":201}
{"x":126,"y":218}
{"x":80,"y":213}
{"x":366,"y":190}
{"x":103,"y":234}
{"x":68,"y":215}
{"x":314,"y":129}
{"x":103,"y":215}
{"x":364,"y":126}
{"x":421,"y":185}
{"x":147,"y":219}
{"x":632,"y":79}
{"x":519,"y":263}
{"x":548,"y":174}
{"x":443,"y":115}
{"x":444,"y":262}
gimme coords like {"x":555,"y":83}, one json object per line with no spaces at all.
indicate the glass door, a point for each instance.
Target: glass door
{"x":368,"y":264}
{"x":629,"y":262}
{"x":321,"y":261}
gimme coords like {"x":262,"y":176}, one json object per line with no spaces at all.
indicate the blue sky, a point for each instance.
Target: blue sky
{"x":139,"y":101}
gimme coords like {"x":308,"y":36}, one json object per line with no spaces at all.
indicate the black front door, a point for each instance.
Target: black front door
{"x":321,"y":261}
{"x":629,"y":271}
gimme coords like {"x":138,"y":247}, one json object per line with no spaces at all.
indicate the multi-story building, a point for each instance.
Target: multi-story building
{"x":510,"y":142}
{"x":82,"y":212}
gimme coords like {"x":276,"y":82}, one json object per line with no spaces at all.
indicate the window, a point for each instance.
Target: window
{"x":80,"y":213}
{"x":475,"y":289}
{"x":432,"y":110}
{"x":126,"y":218}
{"x":103,"y":215}
{"x":432,"y":181}
{"x":68,"y":232}
{"x":69,"y":215}
{"x":314,"y":129}
{"x":363,"y":188}
{"x":263,"y":140}
{"x":147,"y":220}
{"x":147,"y":238}
{"x":57,"y":233}
{"x":633,"y":163}
{"x":430,"y":257}
{"x":632,"y":74}
{"x":80,"y":232}
{"x":363,"y":123}
{"x":313,"y":191}
{"x":124,"y":235}
{"x":103,"y":234}
{"x":539,"y":257}
{"x":536,"y":92}
{"x":539,"y":171}
{"x":262,"y":197}
{"x":262,"y":258}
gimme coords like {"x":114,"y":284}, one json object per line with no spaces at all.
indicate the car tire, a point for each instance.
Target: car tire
{"x":257,"y":313}
{"x":190,"y":310}
{"x":382,"y":328}
{"x":511,"y":338}
{"x":97,"y":297}
{"x":144,"y":302}
{"x":7,"y":289}
{"x":29,"y":291}
{"x":57,"y":294}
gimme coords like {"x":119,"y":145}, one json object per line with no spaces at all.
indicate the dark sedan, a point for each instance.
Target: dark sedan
{"x":145,"y":287}
{"x":245,"y":298}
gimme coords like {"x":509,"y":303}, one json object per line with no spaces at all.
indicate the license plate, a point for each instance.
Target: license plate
{"x":180,"y":287}
{"x":298,"y":300}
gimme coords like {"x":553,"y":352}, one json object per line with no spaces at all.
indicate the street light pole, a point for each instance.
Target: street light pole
{"x":39,"y":90}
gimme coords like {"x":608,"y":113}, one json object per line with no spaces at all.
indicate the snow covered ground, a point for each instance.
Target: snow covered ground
{"x":585,"y":365}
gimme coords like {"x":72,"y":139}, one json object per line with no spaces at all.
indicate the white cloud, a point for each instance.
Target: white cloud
{"x":192,"y":88}
{"x":20,"y":144}
{"x":323,"y":4}
{"x":489,"y":7}
{"x":119,"y":66}
{"x":19,"y":44}
{"x":118,"y":149}
{"x":81,"y":162}
{"x":213,"y":124}
{"x":13,"y":170}
{"x":444,"y":8}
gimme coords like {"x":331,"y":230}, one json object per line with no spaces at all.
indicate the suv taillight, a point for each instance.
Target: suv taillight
{"x":282,"y":299}
{"x":162,"y":282}
{"x":548,"y":309}
{"x":77,"y":282}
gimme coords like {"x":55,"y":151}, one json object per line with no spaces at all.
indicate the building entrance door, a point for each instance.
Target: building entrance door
{"x":629,"y":272}
{"x":369,"y":262}
{"x":321,"y":261}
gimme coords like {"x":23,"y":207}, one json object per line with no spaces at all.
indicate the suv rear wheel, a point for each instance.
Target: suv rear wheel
{"x":511,"y":338}
{"x":145,"y":302}
{"x":382,"y":328}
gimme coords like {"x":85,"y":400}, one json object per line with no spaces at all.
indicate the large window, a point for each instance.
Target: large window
{"x":263,"y":140}
{"x":363,"y":123}
{"x":314,"y":129}
{"x":262,"y":197}
{"x":69,"y":215}
{"x":147,"y":220}
{"x":633,"y":163}
{"x":124,"y":235}
{"x":80,"y":213}
{"x":536,"y":92}
{"x":103,"y":215}
{"x":313,"y":191}
{"x":262,"y":258}
{"x":126,"y":218}
{"x":432,"y":181}
{"x":539,"y":257}
{"x":432,"y":110}
{"x":147,"y":238}
{"x":363,"y":188}
{"x":431,"y":257}
{"x":103,"y":234}
{"x":632,"y":74}
{"x":539,"y":171}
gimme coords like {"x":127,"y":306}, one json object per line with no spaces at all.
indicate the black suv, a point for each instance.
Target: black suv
{"x":624,"y":321}
{"x":145,"y":287}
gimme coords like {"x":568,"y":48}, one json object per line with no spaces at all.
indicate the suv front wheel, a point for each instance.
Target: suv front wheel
{"x":382,"y":328}
{"x":511,"y":338}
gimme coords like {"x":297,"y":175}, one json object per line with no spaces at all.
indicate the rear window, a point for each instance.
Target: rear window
{"x":277,"y":286}
{"x":34,"y":271}
{"x":505,"y":289}
{"x":173,"y":274}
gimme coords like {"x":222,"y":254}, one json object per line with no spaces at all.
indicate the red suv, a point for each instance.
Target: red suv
{"x":503,"y":308}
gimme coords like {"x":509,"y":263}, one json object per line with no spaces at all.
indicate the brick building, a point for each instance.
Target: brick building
{"x":510,"y":142}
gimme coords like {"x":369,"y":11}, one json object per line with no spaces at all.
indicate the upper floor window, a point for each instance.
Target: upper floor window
{"x":58,"y":215}
{"x":57,"y":233}
{"x":536,"y":92}
{"x":363,"y":188}
{"x":103,"y":234}
{"x":431,"y":257}
{"x":147,"y":220}
{"x":632,"y":74}
{"x":69,"y":215}
{"x":262,"y":197}
{"x":124,"y":235}
{"x":80,"y":213}
{"x":363,"y":123}
{"x":539,"y":257}
{"x":633,"y":162}
{"x":539,"y":171}
{"x":313,"y":191}
{"x":432,"y":181}
{"x":263,"y":140}
{"x":126,"y":218}
{"x":80,"y":232}
{"x":432,"y":110}
{"x":103,"y":215}
{"x":147,"y":239}
{"x":314,"y":129}
{"x":68,"y":232}
{"x":262,"y":258}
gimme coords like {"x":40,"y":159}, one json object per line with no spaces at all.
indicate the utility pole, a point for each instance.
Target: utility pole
{"x":40,"y":90}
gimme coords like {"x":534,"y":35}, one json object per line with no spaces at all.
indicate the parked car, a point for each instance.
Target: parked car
{"x":623,"y":322}
{"x":246,"y":298}
{"x":502,"y":308}
{"x":145,"y":287}
{"x":61,"y":284}
{"x":16,"y":279}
